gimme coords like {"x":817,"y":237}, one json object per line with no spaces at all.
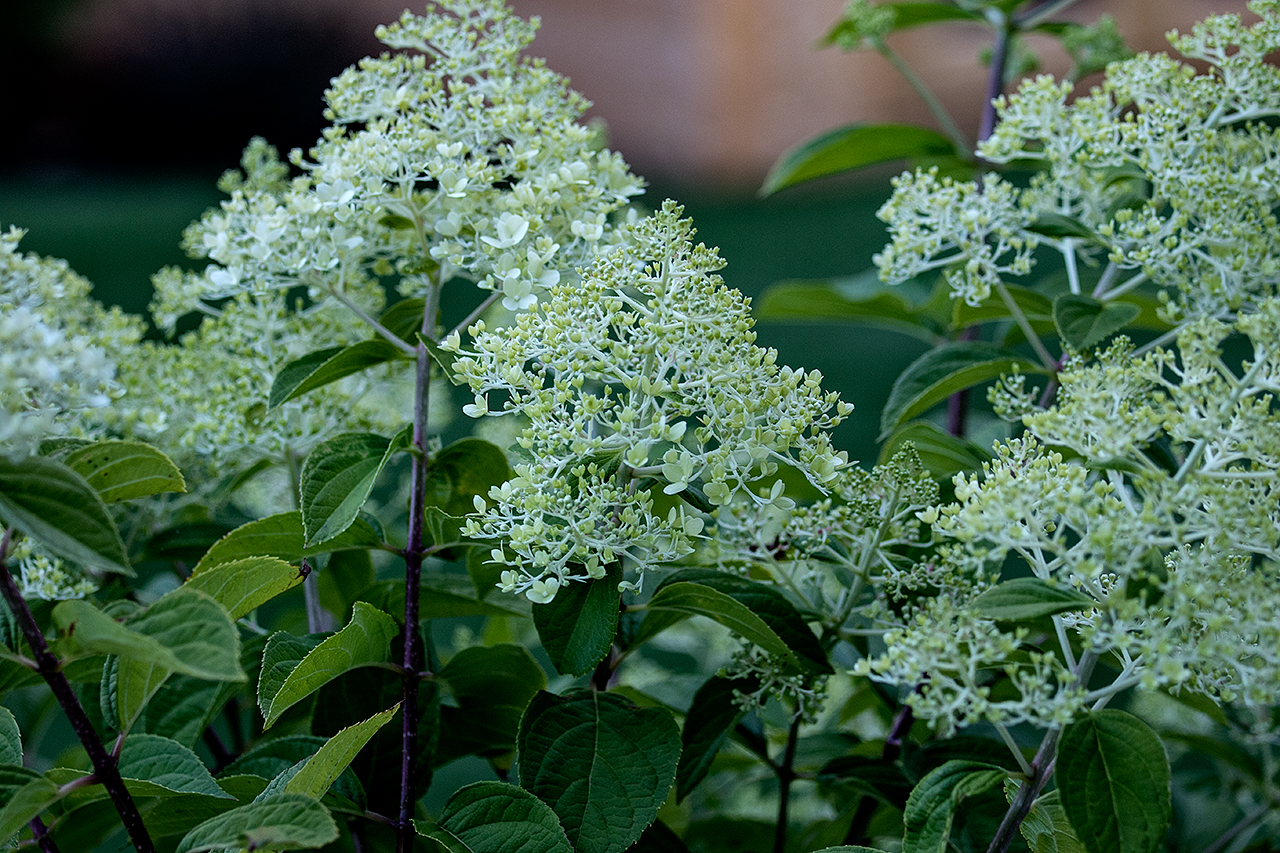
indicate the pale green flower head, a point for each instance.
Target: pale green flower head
{"x":1151,"y":487}
{"x":58,"y":349}
{"x":452,"y":157}
{"x":1163,"y":174}
{"x":640,"y":382}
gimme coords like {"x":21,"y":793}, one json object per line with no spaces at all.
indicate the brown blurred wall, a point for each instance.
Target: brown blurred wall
{"x":695,"y":91}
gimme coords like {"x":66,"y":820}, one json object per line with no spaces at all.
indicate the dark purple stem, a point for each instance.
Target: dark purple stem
{"x":104,"y":765}
{"x":413,"y":555}
{"x":786,"y":771}
{"x":902,"y":723}
{"x":41,"y":834}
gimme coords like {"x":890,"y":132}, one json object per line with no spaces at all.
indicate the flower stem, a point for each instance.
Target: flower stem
{"x":786,"y":771}
{"x":104,"y":765}
{"x":41,"y":834}
{"x":926,"y":94}
{"x":413,"y":556}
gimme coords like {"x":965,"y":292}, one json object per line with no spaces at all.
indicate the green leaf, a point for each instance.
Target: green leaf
{"x":1056,"y":225}
{"x":750,"y":609}
{"x":463,"y":470}
{"x":443,"y":358}
{"x":854,"y":146}
{"x":10,"y":738}
{"x":345,"y":576}
{"x":492,"y":686}
{"x":1084,"y":322}
{"x":54,"y":505}
{"x":186,"y":631}
{"x":881,"y":778}
{"x":244,"y":585}
{"x":122,"y":470}
{"x":578,"y":626}
{"x":861,"y":299}
{"x":1029,"y":598}
{"x":1036,"y":307}
{"x":494,"y":817}
{"x":162,"y":766}
{"x":1113,"y":776}
{"x":24,"y":793}
{"x":931,"y":808}
{"x":602,"y":764}
{"x":943,"y":371}
{"x":906,"y":15}
{"x":281,"y":822}
{"x":404,"y":318}
{"x":337,"y":479}
{"x":184,"y":707}
{"x":177,"y":814}
{"x":1047,"y":829}
{"x":942,"y":454}
{"x":321,"y":367}
{"x":711,"y":718}
{"x":283,"y":536}
{"x":322,"y":769}
{"x":365,"y":640}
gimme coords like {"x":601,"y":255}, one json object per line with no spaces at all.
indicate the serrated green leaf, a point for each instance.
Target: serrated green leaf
{"x":494,"y":817}
{"x":758,"y":613}
{"x":242,"y":586}
{"x":54,"y":505}
{"x":711,"y":718}
{"x":881,"y":778}
{"x":492,"y":686}
{"x":337,"y":479}
{"x":942,"y":454}
{"x":123,"y":470}
{"x":178,"y":814}
{"x":365,"y":640}
{"x":282,"y":822}
{"x":854,"y":146}
{"x":1084,"y":322}
{"x":322,"y":769}
{"x":322,"y":367}
{"x":931,"y":808}
{"x":283,"y":536}
{"x":10,"y":738}
{"x":861,"y":299}
{"x":1114,"y":780}
{"x":184,"y":707}
{"x":912,"y":13}
{"x":186,"y":631}
{"x":165,"y":765}
{"x":1029,"y":598}
{"x":602,"y":764}
{"x":463,"y":470}
{"x":24,"y":794}
{"x":941,"y":372}
{"x":443,"y":358}
{"x":578,"y":625}
{"x":1046,"y":828}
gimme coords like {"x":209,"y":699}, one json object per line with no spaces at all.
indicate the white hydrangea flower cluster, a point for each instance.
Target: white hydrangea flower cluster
{"x":1163,"y":174}
{"x":57,"y":348}
{"x":46,"y":577}
{"x":454,"y":157}
{"x":203,"y":401}
{"x":1162,"y":507}
{"x":645,"y":371}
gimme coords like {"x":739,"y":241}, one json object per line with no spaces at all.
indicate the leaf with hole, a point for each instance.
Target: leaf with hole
{"x":123,"y":470}
{"x":54,"y":505}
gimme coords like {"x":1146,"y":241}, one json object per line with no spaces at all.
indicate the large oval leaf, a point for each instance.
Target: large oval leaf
{"x":1113,"y":778}
{"x":24,"y":794}
{"x":317,"y":369}
{"x":1084,"y":322}
{"x":337,"y":479}
{"x":494,"y":817}
{"x":941,"y":372}
{"x":244,"y":585}
{"x":54,"y":505}
{"x":602,"y":764}
{"x":931,"y":808}
{"x":123,"y":470}
{"x":365,"y":640}
{"x":283,"y":536}
{"x":323,"y":769}
{"x":159,"y":766}
{"x":854,"y":146}
{"x":577,"y":627}
{"x":1029,"y":598}
{"x":281,"y":822}
{"x":711,"y":718}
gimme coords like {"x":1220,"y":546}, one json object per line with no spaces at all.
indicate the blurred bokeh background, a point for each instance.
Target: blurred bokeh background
{"x":121,"y":114}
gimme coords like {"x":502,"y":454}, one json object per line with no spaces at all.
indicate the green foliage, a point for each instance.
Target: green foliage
{"x":883,"y":650}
